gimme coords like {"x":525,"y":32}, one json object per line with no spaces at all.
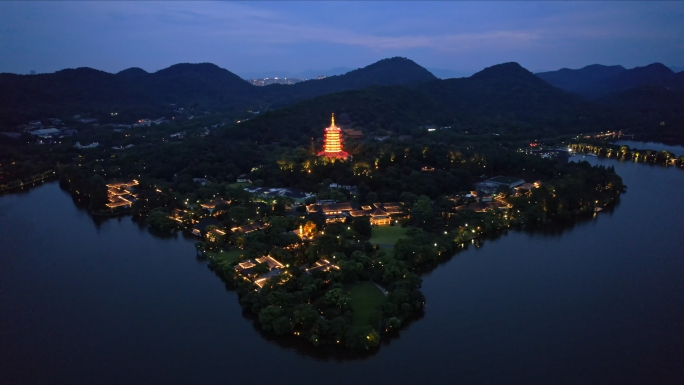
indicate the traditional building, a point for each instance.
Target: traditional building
{"x":211,"y":206}
{"x":481,"y":207}
{"x":321,"y":265}
{"x":381,"y":213}
{"x":332,"y":143}
{"x":202,"y":226}
{"x":252,"y":227}
{"x":246,"y":269}
{"x":333,"y":212}
{"x":119,"y":194}
{"x":352,"y":134}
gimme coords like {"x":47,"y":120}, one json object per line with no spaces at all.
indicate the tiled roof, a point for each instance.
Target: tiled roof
{"x":214,"y":203}
{"x":258,"y":225}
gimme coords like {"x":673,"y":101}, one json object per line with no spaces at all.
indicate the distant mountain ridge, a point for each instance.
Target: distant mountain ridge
{"x":506,"y":96}
{"x":71,"y":91}
{"x":394,"y":93}
{"x":450,"y":74}
{"x":393,"y":71}
{"x":596,"y":81}
{"x":306,"y":74}
{"x":132,"y":72}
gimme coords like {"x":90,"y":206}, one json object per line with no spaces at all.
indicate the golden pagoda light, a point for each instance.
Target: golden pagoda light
{"x":332,"y":142}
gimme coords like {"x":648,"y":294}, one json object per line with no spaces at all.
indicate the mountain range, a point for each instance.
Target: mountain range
{"x":595,"y":81}
{"x":306,"y":74}
{"x":394,"y":93}
{"x":505,"y":99}
{"x":135,"y":92}
{"x":313,"y":74}
{"x":450,"y":74}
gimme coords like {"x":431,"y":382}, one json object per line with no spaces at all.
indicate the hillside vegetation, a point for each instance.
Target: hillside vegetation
{"x":204,"y":87}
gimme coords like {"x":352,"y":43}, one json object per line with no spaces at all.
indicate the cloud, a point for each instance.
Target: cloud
{"x":53,"y":35}
{"x":254,"y":27}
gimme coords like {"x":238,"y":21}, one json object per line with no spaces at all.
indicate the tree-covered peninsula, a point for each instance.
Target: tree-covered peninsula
{"x":331,"y":248}
{"x":330,"y":278}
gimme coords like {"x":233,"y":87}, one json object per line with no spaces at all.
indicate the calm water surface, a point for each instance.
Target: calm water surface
{"x":602,"y":302}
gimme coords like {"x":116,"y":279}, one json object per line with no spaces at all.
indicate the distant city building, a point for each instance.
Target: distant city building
{"x":332,"y":143}
{"x":269,"y":81}
{"x":91,"y":145}
{"x":490,"y":185}
{"x":46,"y":132}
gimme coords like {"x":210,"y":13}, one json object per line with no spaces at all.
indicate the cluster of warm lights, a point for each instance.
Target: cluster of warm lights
{"x":332,"y":143}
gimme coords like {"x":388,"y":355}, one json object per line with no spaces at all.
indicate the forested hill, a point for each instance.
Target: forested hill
{"x":132,"y":92}
{"x":580,"y":80}
{"x":393,"y":71}
{"x":505,"y":98}
{"x":648,"y":99}
{"x":597,"y":81}
{"x":135,"y":93}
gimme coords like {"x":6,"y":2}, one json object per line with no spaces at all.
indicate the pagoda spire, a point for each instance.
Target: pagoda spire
{"x":332,"y":142}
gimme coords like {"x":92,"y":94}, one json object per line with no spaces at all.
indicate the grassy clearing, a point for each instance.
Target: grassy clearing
{"x":229,"y":257}
{"x":366,"y":300}
{"x":387,"y":235}
{"x":240,"y":185}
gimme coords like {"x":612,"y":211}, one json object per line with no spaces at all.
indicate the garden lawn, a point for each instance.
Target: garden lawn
{"x":366,"y":302}
{"x":240,"y":185}
{"x":228,"y":257}
{"x":386,"y":236}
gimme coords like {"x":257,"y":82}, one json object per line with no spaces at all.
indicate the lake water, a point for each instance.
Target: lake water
{"x":601,"y":302}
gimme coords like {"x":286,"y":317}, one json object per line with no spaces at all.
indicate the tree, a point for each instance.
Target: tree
{"x":239,"y":214}
{"x":98,"y":192}
{"x":351,"y":270}
{"x":260,"y":268}
{"x":363,"y":338}
{"x":282,"y":325}
{"x":392,"y":323}
{"x":337,"y":297}
{"x":309,"y":229}
{"x":159,"y":220}
{"x":268,"y":315}
{"x":277,"y":224}
{"x":306,"y":315}
{"x":362,"y":226}
{"x":408,"y":197}
{"x":281,"y":255}
{"x":238,"y":239}
{"x":422,"y":212}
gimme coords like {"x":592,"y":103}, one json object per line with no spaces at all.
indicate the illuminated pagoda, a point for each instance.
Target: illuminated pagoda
{"x":332,"y":143}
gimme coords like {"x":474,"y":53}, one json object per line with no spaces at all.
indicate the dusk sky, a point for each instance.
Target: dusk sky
{"x":253,"y":37}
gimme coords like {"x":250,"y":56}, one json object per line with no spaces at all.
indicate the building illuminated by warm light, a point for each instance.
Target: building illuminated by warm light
{"x":332,"y":143}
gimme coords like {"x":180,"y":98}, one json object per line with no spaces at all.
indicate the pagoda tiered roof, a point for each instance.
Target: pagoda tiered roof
{"x":332,"y":142}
